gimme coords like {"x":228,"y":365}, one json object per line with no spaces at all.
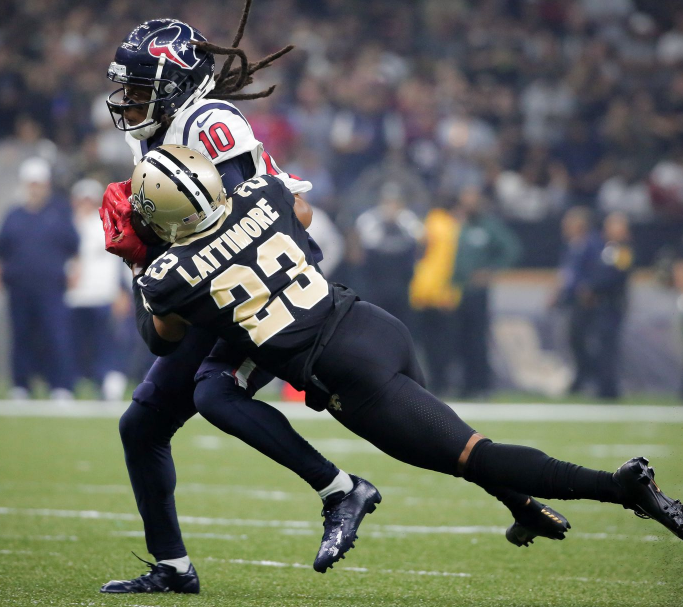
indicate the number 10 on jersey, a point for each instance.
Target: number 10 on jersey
{"x":219,"y":138}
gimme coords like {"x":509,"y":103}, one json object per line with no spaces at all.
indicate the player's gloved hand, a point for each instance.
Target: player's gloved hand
{"x":119,"y":236}
{"x":117,"y":196}
{"x":295,"y":184}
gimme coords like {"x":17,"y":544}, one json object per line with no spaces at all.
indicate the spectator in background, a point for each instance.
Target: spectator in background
{"x":36,"y":241}
{"x":27,"y":141}
{"x":626,"y":192}
{"x":388,"y":235}
{"x":608,"y":291}
{"x":581,"y":153}
{"x":434,"y":297}
{"x":485,"y":245}
{"x":670,"y":45}
{"x":95,"y":294}
{"x":666,"y":185}
{"x":594,"y":274}
{"x":358,"y":133}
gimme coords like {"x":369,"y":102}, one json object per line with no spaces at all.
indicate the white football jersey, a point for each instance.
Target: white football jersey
{"x":217,"y":129}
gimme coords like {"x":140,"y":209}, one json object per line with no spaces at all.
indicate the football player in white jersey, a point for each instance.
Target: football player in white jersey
{"x":170,"y":95}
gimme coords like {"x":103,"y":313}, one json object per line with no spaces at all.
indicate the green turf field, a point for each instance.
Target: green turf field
{"x":68,"y":523}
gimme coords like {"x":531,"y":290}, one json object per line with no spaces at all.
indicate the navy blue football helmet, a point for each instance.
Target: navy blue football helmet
{"x":159,"y":54}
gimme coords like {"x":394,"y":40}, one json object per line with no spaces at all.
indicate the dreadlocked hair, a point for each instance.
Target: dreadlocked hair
{"x":232,"y":80}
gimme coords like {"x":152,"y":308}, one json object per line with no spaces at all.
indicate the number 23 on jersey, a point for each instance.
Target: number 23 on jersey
{"x":278,"y":316}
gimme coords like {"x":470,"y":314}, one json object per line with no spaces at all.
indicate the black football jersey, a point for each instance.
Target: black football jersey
{"x":251,"y":278}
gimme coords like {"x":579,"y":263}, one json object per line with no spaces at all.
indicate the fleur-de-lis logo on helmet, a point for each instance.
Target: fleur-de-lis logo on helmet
{"x":143,"y":205}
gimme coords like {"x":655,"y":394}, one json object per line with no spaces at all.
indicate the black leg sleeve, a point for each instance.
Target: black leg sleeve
{"x":513,"y":501}
{"x":146,"y":435}
{"x":229,"y":408}
{"x":531,"y":471}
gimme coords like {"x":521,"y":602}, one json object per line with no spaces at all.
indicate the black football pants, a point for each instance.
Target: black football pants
{"x":166,"y":400}
{"x":370,"y":367}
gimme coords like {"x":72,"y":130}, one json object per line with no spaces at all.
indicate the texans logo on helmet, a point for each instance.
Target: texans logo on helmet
{"x":182,"y":54}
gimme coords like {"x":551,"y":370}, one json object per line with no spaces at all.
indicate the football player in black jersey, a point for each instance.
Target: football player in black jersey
{"x":250,"y":278}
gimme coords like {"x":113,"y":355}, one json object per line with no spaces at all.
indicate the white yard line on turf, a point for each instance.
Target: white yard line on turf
{"x":279,"y":564}
{"x":375,"y":530}
{"x":39,"y":538}
{"x":202,"y":536}
{"x":468,"y":411}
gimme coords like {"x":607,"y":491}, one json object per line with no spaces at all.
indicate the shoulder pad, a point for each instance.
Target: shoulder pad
{"x":268,"y":187}
{"x":214,"y":127}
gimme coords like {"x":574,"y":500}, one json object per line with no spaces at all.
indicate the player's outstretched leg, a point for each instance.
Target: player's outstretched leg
{"x":526,"y":469}
{"x":346,"y":498}
{"x":362,"y":365}
{"x":362,"y":360}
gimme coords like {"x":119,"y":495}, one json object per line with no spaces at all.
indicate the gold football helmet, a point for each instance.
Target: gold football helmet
{"x":177,"y":191}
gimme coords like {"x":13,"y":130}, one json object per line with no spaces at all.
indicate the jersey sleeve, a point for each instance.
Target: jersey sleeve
{"x":236,"y":170}
{"x":161,"y":291}
{"x":219,"y":131}
{"x":268,"y":166}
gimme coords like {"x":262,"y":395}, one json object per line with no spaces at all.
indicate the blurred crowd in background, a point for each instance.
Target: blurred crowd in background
{"x":454,"y":132}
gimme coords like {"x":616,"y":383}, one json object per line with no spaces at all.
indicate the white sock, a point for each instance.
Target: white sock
{"x":181,"y":565}
{"x":341,"y":482}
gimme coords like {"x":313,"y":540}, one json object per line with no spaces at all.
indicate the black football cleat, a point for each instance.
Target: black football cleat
{"x":537,"y":520}
{"x":161,"y":578}
{"x":343,"y":515}
{"x":645,"y":498}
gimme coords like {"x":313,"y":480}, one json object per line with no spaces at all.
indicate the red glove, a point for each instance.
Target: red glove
{"x":117,"y":196}
{"x":119,"y":236}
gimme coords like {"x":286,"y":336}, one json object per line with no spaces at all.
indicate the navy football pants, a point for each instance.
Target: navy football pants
{"x":166,"y":400}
